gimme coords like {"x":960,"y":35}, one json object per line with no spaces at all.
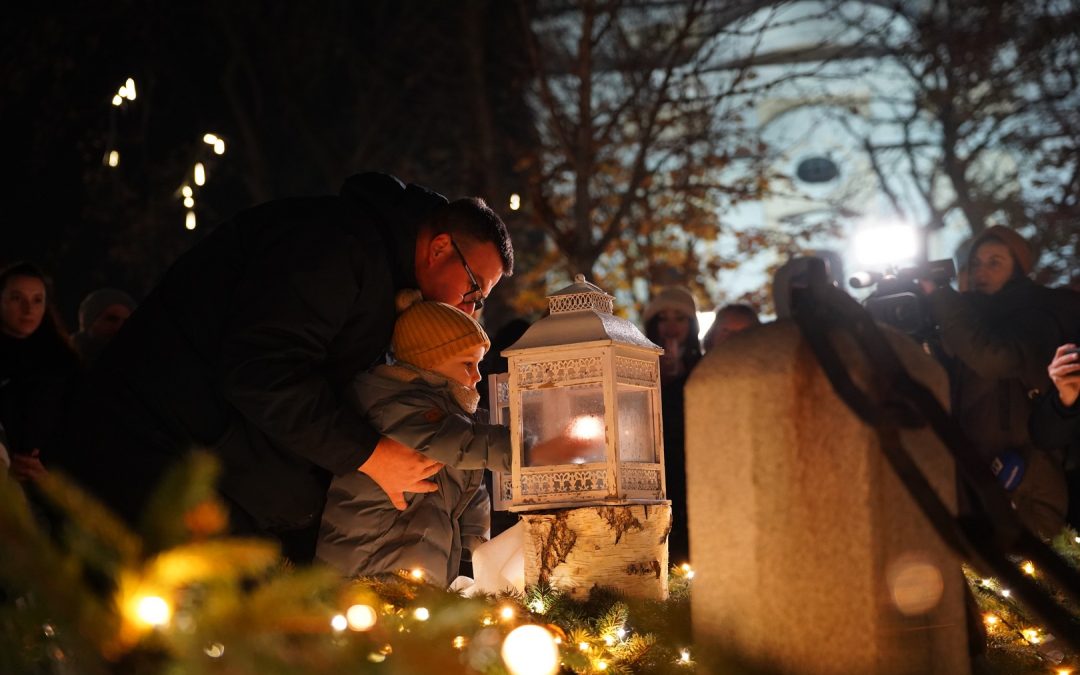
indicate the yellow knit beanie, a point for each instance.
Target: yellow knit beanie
{"x":429,"y":333}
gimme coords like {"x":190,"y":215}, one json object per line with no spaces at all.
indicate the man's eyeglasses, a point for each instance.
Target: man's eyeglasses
{"x":475,"y":295}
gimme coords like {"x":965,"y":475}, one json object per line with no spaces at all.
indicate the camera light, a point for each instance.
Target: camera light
{"x":886,"y":245}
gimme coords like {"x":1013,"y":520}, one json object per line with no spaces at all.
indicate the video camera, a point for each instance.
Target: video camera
{"x":898,"y":299}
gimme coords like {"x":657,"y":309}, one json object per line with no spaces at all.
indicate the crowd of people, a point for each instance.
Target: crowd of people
{"x":267,"y":345}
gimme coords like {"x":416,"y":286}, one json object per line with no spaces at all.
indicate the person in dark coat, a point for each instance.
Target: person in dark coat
{"x":1055,"y":424}
{"x":1001,"y":334}
{"x":671,"y":322}
{"x":101,"y":314}
{"x":38,"y":370}
{"x":247,"y":344}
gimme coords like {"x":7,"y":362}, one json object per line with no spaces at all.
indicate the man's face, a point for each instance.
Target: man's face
{"x":443,"y":274}
{"x":108,"y":323}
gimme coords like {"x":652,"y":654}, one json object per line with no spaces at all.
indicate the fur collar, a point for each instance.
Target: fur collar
{"x":465,"y":397}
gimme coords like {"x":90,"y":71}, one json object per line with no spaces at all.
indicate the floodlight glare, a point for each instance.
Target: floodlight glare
{"x":892,"y":245}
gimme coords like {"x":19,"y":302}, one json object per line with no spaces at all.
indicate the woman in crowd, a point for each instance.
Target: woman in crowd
{"x":1001,"y":333}
{"x":671,"y":322}
{"x":38,"y":369}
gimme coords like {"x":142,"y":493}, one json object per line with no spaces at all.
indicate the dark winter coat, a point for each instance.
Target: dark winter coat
{"x":362,"y":533}
{"x":1055,"y":426}
{"x":38,"y":375}
{"x":1002,"y":344}
{"x":247,"y":346}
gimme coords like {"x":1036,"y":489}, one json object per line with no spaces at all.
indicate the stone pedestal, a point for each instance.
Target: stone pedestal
{"x":810,"y":556}
{"x":623,"y":547}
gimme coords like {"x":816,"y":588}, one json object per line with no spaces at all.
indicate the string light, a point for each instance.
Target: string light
{"x":199,"y":174}
{"x":219,"y":147}
{"x":189,"y":221}
{"x":153,"y":610}
{"x":1031,"y":635}
{"x":129,"y":89}
{"x":507,"y":612}
{"x":537,"y":606}
{"x":215,"y":650}
{"x":117,"y":99}
{"x":361,"y":617}
{"x":601,"y":665}
{"x":990,"y":620}
{"x":1006,"y":593}
{"x":609,"y":640}
{"x":114,"y":158}
{"x":210,"y":139}
{"x":417,"y":574}
{"x":422,"y":614}
{"x":684,"y":656}
{"x":583,"y":646}
{"x":530,"y":650}
{"x":515,"y":202}
{"x":186,"y":191}
{"x":687,"y":570}
{"x":189,"y":202}
{"x":460,"y":642}
{"x":1029,"y":568}
{"x":339,"y":623}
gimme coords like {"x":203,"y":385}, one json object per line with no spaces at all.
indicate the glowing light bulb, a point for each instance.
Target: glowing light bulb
{"x":1064,"y":671}
{"x":215,"y":650}
{"x":422,"y":614}
{"x":488,"y":621}
{"x":621,"y":632}
{"x":339,"y":623}
{"x":1076,"y":539}
{"x":601,"y":665}
{"x":209,"y":139}
{"x":587,"y":427}
{"x":507,"y":612}
{"x":515,"y":202}
{"x":189,"y":220}
{"x":219,"y":147}
{"x":684,"y":656}
{"x":987,"y":582}
{"x":583,"y":646}
{"x":129,"y":89}
{"x":199,"y":174}
{"x":460,"y":642}
{"x":186,"y":191}
{"x":189,"y":202}
{"x":537,"y":606}
{"x":153,"y":610}
{"x":1029,"y":568}
{"x":361,"y":617}
{"x":1031,"y":635}
{"x":530,"y":650}
{"x":1006,"y":593}
{"x":117,"y":99}
{"x":990,"y":620}
{"x":609,"y":640}
{"x":417,"y":574}
{"x":114,"y":158}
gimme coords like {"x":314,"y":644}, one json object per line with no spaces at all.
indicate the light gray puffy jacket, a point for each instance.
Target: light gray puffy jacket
{"x":362,"y":533}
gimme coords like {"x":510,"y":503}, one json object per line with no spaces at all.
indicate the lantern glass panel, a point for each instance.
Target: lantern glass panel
{"x":563,"y":413}
{"x":636,"y":435}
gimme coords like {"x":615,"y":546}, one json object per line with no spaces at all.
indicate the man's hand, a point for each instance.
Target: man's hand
{"x":398,"y":469}
{"x":27,"y":467}
{"x":1064,"y":370}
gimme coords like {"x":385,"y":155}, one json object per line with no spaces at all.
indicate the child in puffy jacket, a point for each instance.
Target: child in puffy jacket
{"x":426,"y":400}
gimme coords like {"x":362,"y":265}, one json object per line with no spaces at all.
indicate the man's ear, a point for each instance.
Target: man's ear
{"x":438,"y":246}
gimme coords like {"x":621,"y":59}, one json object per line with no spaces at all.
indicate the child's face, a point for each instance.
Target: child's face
{"x":464,"y":367}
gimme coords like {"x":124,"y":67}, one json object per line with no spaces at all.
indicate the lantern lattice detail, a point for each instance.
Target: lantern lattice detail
{"x":582,"y":398}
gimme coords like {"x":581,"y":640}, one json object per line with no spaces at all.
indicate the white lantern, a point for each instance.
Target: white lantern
{"x":582,"y":399}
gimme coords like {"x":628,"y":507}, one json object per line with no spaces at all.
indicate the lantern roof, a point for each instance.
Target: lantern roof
{"x":580,"y":313}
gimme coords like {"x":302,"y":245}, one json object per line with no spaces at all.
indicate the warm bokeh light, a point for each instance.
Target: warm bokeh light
{"x":129,"y":89}
{"x":530,"y":650}
{"x":515,"y":202}
{"x":114,"y":158}
{"x":117,"y":99}
{"x":339,"y":622}
{"x":189,"y":220}
{"x":219,"y":147}
{"x":422,"y":614}
{"x":460,"y":642}
{"x":1029,"y":568}
{"x":187,"y":191}
{"x":587,"y":428}
{"x":215,"y":650}
{"x":990,"y":620}
{"x":199,"y":174}
{"x":506,"y":612}
{"x":417,"y":574}
{"x":361,"y":617}
{"x":153,"y":610}
{"x":189,"y":202}
{"x":210,"y":139}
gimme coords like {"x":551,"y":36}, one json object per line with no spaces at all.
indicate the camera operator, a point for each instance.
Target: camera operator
{"x":1000,"y":335}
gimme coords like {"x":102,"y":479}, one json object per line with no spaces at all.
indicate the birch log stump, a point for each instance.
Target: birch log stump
{"x":621,"y":547}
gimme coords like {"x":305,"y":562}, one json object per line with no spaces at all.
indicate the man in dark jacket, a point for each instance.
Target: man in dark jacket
{"x":248,"y":342}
